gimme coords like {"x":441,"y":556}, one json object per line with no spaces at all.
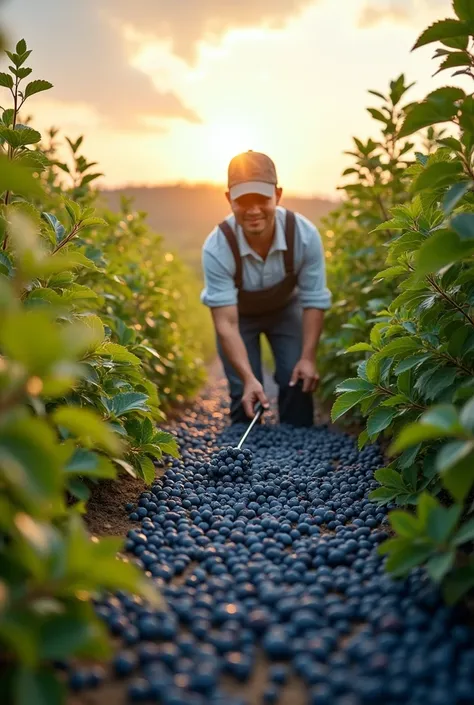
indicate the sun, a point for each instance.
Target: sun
{"x":225,"y":140}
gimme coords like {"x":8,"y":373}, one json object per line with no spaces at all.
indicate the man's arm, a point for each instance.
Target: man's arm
{"x":313,"y":319}
{"x":226,"y":322}
{"x":315,"y":298}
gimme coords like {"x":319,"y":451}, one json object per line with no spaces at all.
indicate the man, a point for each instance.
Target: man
{"x":264,"y":273}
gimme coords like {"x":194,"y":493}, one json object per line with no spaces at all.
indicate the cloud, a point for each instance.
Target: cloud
{"x":402,"y":11}
{"x":187,"y":22}
{"x":394,"y":12}
{"x":85,"y":57}
{"x":81,"y":46}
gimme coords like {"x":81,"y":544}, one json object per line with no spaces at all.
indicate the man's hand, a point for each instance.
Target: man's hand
{"x":307,"y":371}
{"x":253,"y":392}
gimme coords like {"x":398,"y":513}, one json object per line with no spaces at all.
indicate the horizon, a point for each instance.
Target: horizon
{"x":211,"y":186}
{"x":164,"y":100}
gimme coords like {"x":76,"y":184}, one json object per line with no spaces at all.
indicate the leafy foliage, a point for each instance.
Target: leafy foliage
{"x":415,"y":368}
{"x":78,"y":392}
{"x":355,"y":239}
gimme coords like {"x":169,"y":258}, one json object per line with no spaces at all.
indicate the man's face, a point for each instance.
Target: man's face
{"x":255,"y":213}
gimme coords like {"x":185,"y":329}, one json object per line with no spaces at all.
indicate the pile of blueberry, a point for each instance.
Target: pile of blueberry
{"x":267,"y":561}
{"x":229,"y":463}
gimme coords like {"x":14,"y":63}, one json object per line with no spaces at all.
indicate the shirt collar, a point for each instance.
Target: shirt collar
{"x":278,"y":244}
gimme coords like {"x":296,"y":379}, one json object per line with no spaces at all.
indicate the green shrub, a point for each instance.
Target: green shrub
{"x":415,"y":379}
{"x":354,"y":245}
{"x":78,"y":396}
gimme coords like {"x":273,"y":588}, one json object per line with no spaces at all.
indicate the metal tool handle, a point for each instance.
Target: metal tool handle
{"x":258,"y":413}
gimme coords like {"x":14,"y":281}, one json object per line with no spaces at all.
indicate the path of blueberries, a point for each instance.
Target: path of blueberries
{"x":275,"y":593}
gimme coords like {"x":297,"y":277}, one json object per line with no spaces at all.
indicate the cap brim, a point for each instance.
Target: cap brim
{"x":260,"y":187}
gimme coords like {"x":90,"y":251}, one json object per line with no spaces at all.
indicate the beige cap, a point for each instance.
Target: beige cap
{"x":251,"y":172}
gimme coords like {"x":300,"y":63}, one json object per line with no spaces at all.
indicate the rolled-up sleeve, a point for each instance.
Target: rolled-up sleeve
{"x":219,"y":289}
{"x":313,"y":292}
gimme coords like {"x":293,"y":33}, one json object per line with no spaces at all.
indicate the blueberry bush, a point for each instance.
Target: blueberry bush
{"x":85,"y":375}
{"x":414,"y":370}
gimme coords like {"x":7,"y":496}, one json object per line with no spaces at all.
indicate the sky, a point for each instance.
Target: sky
{"x":168,"y":92}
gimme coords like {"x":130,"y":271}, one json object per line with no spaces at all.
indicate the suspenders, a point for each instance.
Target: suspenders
{"x":290,"y":225}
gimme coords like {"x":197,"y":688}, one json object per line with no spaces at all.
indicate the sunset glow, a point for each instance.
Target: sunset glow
{"x":166,"y":100}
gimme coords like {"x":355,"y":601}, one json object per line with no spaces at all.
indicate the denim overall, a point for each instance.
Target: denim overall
{"x":276,"y":313}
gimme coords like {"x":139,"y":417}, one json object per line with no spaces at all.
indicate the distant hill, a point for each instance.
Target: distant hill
{"x":184,"y":215}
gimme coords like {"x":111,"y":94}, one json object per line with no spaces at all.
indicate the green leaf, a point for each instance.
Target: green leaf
{"x":400,"y":346}
{"x":354,"y":384}
{"x":20,"y":136}
{"x":465,"y":533}
{"x":89,"y":464}
{"x":6,"y":80}
{"x":63,"y":636}
{"x":167,"y":443}
{"x":439,"y":565}
{"x":125,"y":402}
{"x":118,"y":353}
{"x":410,"y":362}
{"x":403,"y":560}
{"x":463,"y":224}
{"x":444,"y":416}
{"x":453,"y":60}
{"x":437,"y":175}
{"x":362,"y":439}
{"x":395,"y":400}
{"x":36,"y":87}
{"x":455,"y":465}
{"x":439,"y":381}
{"x":413,"y":434}
{"x":404,"y":524}
{"x":452,"y":453}
{"x":390,"y":273}
{"x":466,"y":417}
{"x":458,"y":583}
{"x":380,"y":420}
{"x":452,"y":143}
{"x":56,"y":226}
{"x":390,"y":478}
{"x":18,"y":179}
{"x":442,"y":29}
{"x":405,"y":463}
{"x":372,"y":369}
{"x":38,"y":688}
{"x":442,"y":248}
{"x":88,"y":178}
{"x":360,"y":347}
{"x":442,"y":521}
{"x":426,"y":505}
{"x":438,"y":106}
{"x":6,"y":265}
{"x":345,"y":402}
{"x":30,"y":462}
{"x":464,"y":9}
{"x":88,"y":427}
{"x":146,"y":468}
{"x":455,"y":194}
{"x":382,"y":495}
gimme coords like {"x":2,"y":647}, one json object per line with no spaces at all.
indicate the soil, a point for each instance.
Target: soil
{"x":106,"y":514}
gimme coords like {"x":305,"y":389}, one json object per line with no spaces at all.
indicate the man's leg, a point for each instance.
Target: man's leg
{"x":284,"y":331}
{"x":250,"y":333}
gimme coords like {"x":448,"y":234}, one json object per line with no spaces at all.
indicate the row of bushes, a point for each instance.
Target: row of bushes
{"x":399,"y":348}
{"x":99,"y":334}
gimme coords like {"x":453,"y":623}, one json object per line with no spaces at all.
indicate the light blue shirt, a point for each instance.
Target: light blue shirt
{"x":219,"y":265}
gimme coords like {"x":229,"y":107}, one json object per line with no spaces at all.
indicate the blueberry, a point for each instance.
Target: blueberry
{"x":124,"y":663}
